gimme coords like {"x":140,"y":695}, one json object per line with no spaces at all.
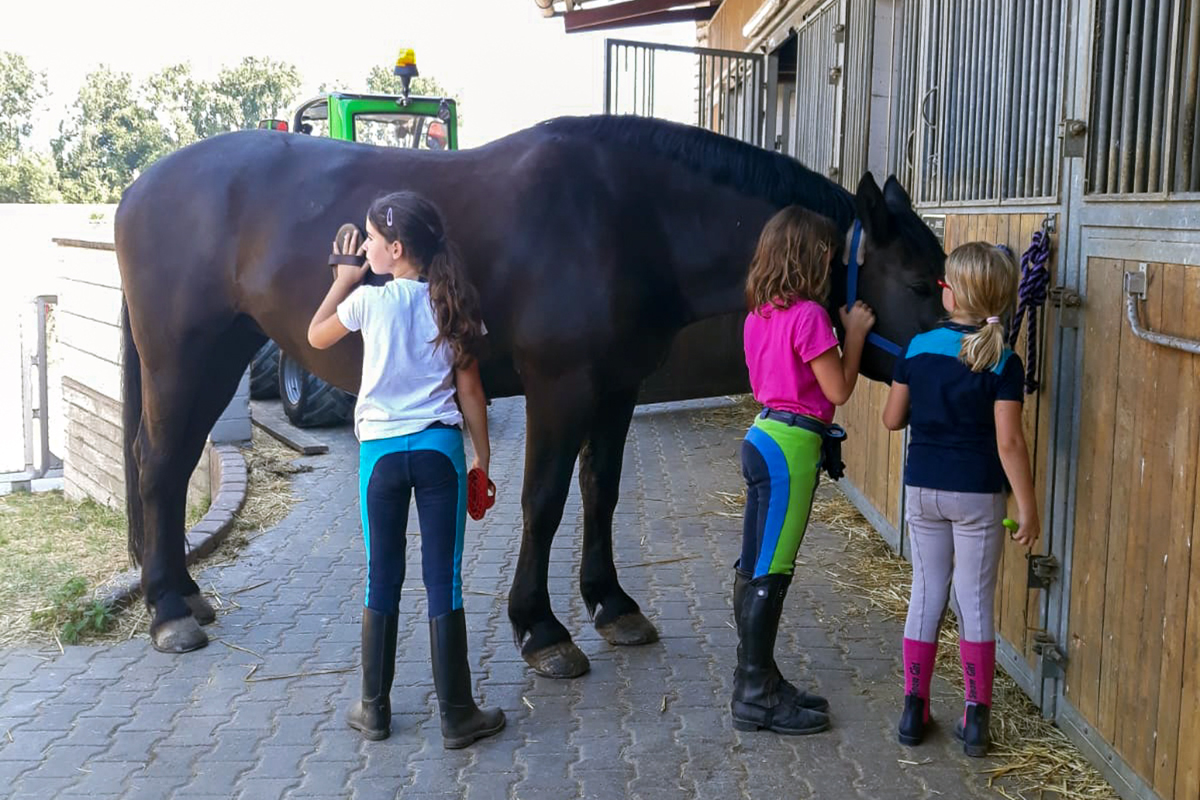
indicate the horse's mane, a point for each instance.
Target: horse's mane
{"x":759,"y":173}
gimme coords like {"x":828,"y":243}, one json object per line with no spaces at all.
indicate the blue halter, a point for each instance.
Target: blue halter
{"x":852,"y":289}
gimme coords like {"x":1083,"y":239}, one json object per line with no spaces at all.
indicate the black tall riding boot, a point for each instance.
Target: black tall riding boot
{"x":462,"y":721}
{"x":758,"y":700}
{"x":372,"y":715}
{"x":786,"y":689}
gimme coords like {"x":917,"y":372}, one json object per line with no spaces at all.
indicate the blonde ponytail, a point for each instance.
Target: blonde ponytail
{"x":984,"y":281}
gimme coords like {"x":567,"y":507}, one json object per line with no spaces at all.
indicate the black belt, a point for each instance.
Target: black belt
{"x":831,"y":435}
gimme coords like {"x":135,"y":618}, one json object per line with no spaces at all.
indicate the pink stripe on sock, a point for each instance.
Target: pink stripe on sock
{"x":979,"y":670}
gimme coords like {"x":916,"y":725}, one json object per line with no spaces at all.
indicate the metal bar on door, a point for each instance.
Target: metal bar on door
{"x":1124,"y":10}
{"x":1129,"y":98}
{"x":1042,"y":146}
{"x":1155,"y":181}
{"x":1104,"y":100}
{"x":1054,"y":114}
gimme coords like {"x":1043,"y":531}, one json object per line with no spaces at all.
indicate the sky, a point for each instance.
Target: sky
{"x":510,"y":66}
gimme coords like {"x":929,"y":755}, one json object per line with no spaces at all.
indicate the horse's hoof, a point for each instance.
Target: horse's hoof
{"x":628,"y":630}
{"x":562,"y":660}
{"x":180,"y":635}
{"x":201,"y":609}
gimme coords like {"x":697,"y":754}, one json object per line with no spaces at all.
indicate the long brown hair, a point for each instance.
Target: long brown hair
{"x":984,"y":281}
{"x":417,"y":224}
{"x":790,"y":262}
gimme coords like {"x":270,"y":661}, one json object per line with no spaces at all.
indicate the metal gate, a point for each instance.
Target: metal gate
{"x":729,"y":95}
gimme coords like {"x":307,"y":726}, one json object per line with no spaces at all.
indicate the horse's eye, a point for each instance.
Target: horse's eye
{"x":921,"y":289}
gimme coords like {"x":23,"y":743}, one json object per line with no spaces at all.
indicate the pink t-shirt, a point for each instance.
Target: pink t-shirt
{"x":779,"y":344}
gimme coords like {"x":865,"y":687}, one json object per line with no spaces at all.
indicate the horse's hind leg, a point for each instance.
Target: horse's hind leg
{"x":620,"y":621}
{"x":557,"y":413}
{"x":181,"y":401}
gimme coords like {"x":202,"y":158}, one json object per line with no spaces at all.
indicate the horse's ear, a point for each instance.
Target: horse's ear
{"x":893,"y":193}
{"x":872,"y":209}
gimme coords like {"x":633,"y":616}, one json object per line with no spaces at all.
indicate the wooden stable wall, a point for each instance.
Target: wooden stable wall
{"x":1135,"y":574}
{"x":875,"y":458}
{"x":89,"y":333}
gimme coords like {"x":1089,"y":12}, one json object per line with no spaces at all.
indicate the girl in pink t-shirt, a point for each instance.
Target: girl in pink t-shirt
{"x":798,"y":375}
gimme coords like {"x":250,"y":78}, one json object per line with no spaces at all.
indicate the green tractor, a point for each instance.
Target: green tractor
{"x":419,"y":123}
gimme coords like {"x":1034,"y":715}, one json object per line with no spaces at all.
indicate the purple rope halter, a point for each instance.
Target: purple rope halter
{"x":1031,"y":296}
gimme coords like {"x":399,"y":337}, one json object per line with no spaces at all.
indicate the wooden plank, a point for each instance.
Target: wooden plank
{"x":1009,"y":621}
{"x":96,"y":373}
{"x":1168,"y":577}
{"x":1126,"y":550}
{"x":1145,"y":548}
{"x":269,"y":416}
{"x":1187,"y":772}
{"x":101,"y":339}
{"x":895,"y":477}
{"x":97,"y":426}
{"x":92,"y":402}
{"x":1101,"y":351}
{"x":101,"y":303}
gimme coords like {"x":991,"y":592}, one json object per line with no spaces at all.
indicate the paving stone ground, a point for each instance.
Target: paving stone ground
{"x":649,"y":722}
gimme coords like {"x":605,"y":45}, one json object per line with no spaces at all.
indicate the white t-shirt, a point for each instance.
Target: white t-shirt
{"x":407,"y":382}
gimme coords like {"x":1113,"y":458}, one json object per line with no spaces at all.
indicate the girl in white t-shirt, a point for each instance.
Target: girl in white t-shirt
{"x":421,"y":333}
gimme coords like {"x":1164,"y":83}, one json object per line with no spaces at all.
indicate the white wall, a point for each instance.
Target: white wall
{"x":32,"y":266}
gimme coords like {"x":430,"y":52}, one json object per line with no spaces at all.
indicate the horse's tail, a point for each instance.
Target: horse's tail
{"x":131,"y":421}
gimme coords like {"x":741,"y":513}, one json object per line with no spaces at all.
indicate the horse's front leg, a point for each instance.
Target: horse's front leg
{"x":619,"y":620}
{"x":556,"y":414}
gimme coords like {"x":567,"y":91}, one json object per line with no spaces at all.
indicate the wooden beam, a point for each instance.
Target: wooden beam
{"x":633,"y":13}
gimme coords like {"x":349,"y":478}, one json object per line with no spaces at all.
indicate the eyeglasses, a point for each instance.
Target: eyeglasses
{"x":942,"y":283}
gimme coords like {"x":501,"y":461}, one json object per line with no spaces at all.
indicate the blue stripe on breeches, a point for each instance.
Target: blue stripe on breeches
{"x":431,"y":465}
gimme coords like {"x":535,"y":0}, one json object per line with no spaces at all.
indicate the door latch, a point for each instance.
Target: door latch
{"x":1041,"y":571}
{"x":1067,"y":301}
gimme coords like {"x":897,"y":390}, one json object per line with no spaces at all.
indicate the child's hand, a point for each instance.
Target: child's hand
{"x":349,"y":273}
{"x":1029,"y":528}
{"x":858,"y":320}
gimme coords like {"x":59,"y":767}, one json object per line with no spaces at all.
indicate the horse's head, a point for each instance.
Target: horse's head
{"x":901,"y":263}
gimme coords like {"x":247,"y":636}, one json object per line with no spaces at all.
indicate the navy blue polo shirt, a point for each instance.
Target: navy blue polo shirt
{"x":952,"y":422}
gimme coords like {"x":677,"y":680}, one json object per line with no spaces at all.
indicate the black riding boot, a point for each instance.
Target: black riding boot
{"x":972,"y":730}
{"x":758,"y":701}
{"x":462,"y":721}
{"x":372,"y":715}
{"x":911,"y":730}
{"x":786,"y":689}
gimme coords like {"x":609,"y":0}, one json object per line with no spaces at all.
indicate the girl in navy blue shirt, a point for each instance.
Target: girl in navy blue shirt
{"x":959,"y":388}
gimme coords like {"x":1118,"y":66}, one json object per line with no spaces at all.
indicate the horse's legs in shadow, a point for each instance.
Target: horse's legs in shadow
{"x":182,"y":400}
{"x":619,"y":620}
{"x":557,"y":411}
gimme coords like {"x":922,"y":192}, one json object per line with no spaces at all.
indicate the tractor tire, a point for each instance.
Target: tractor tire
{"x":310,"y":402}
{"x":264,"y":372}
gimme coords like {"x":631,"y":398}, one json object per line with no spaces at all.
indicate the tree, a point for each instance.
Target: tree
{"x":256,"y":89}
{"x":112,"y":138}
{"x":25,"y":177}
{"x":21,"y":89}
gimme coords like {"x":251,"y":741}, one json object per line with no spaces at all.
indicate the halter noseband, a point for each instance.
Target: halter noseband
{"x":853,"y":262}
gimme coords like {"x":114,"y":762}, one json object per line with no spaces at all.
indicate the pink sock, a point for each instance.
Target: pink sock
{"x":979,"y":668}
{"x":919,"y":658}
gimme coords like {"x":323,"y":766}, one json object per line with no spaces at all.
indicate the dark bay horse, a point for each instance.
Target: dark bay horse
{"x":593,"y":242}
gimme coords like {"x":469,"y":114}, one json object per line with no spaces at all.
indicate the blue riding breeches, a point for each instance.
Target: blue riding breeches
{"x":431,"y":465}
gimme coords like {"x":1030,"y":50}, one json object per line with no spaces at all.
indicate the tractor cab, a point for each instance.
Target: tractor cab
{"x":415,"y":123}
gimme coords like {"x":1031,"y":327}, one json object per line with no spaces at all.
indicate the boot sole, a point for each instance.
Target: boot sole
{"x":975,"y":751}
{"x":372,"y":734}
{"x":465,"y":741}
{"x":911,"y":741}
{"x":750,"y":725}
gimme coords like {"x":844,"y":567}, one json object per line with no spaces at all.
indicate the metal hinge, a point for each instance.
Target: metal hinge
{"x":835,"y":74}
{"x":839,"y":32}
{"x":1054,"y":660}
{"x":1042,"y":571}
{"x":1068,"y":302}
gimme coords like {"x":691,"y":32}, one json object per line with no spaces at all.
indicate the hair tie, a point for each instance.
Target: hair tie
{"x":389,"y":216}
{"x":993,"y":320}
